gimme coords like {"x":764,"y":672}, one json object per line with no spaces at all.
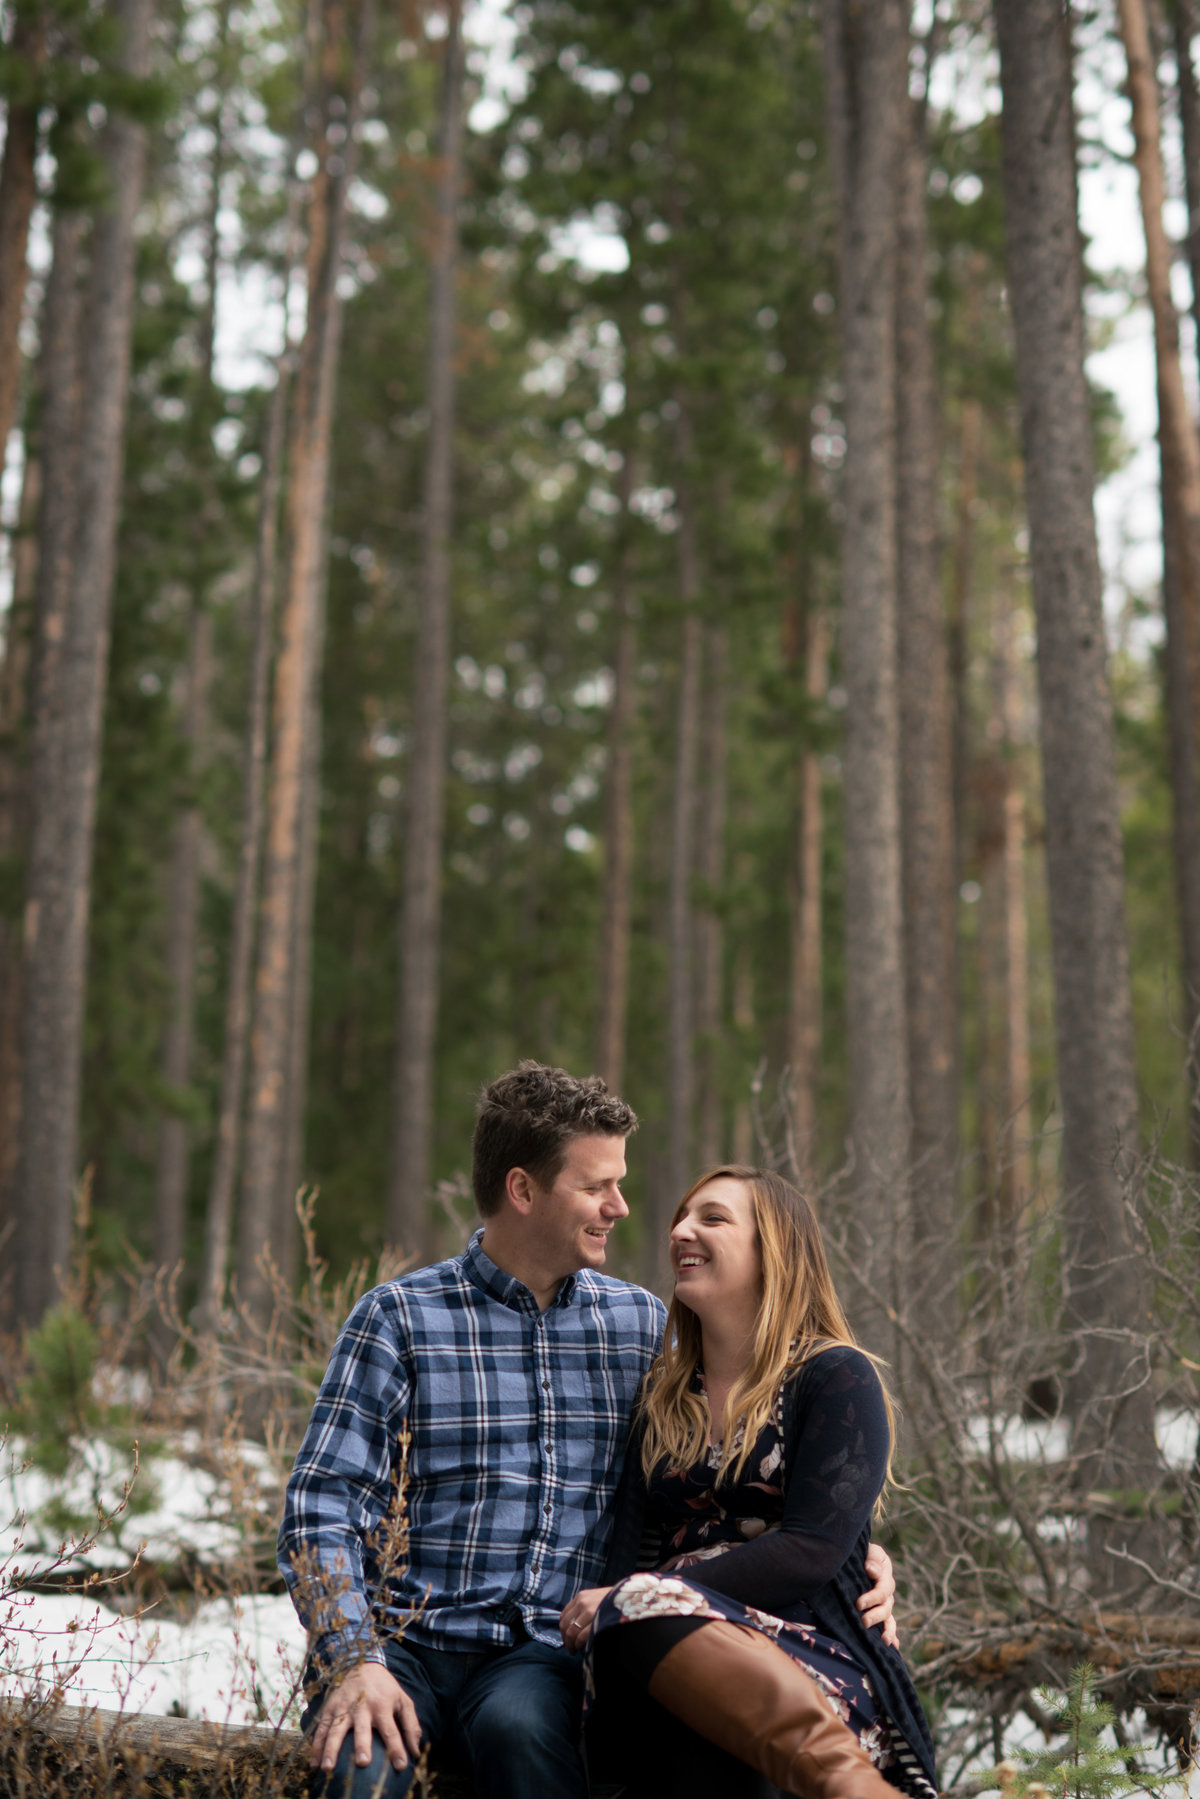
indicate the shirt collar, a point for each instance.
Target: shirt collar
{"x":511,"y":1292}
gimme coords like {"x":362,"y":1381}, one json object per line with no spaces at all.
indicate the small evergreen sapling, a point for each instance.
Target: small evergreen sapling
{"x":1084,"y":1766}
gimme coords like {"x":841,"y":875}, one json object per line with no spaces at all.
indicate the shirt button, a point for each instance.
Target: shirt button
{"x":546,"y":1384}
{"x":549,"y":1449}
{"x":547,"y":1507}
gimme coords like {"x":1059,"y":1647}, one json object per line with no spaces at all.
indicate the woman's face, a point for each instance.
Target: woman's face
{"x":715,"y":1252}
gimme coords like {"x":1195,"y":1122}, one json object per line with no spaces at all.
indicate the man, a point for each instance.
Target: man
{"x":503,"y":1382}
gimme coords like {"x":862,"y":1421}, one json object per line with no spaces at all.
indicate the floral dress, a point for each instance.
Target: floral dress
{"x":699,"y":1521}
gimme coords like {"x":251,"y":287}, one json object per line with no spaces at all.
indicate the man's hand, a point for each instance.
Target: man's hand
{"x":369,"y":1699}
{"x":876,"y":1604}
{"x":576,"y":1618}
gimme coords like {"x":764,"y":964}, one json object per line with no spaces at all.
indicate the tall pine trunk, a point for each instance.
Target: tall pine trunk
{"x":710,"y":930}
{"x":18,"y":192}
{"x":14,"y":812}
{"x":1179,"y":451}
{"x":408,"y":1220}
{"x":617,"y":901}
{"x":926,"y":758}
{"x":183,"y":880}
{"x":866,"y":92}
{"x":804,"y":997}
{"x":63,"y":814}
{"x":218,"y":1217}
{"x":1105,"y":1285}
{"x":681,"y":1064}
{"x":262,"y":1223}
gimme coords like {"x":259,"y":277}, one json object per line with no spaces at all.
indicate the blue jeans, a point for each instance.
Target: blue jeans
{"x":512,"y":1715}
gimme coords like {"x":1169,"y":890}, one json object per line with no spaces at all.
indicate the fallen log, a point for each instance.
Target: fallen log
{"x":1140,"y":1659}
{"x":48,"y":1752}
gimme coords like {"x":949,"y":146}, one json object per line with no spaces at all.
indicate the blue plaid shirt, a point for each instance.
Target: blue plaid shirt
{"x":517,"y":1422}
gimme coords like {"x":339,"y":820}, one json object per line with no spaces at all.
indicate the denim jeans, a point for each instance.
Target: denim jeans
{"x":512,"y":1715}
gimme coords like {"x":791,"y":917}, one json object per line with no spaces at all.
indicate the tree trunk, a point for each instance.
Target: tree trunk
{"x":286,"y":1239}
{"x":1016,"y":1173}
{"x":296,"y":668}
{"x":183,"y":894}
{"x":680,"y":922}
{"x":970,"y":435}
{"x":866,"y":90}
{"x":56,"y":917}
{"x":617,"y":903}
{"x":710,"y":930}
{"x":1105,"y":1286}
{"x":14,"y":815}
{"x":218,"y":1217}
{"x":408,"y":1220}
{"x":1179,"y":451}
{"x":219,"y":1213}
{"x":926,"y":761}
{"x":804,"y":1000}
{"x":183,"y":880}
{"x":1189,"y":118}
{"x":1185,"y":791}
{"x":43,"y":1238}
{"x":18,"y":192}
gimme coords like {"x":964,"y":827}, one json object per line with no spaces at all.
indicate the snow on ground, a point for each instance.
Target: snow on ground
{"x":235,"y":1661}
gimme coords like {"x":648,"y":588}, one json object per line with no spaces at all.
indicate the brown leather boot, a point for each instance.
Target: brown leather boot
{"x":732,"y":1685}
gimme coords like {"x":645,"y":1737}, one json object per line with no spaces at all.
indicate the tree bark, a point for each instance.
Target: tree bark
{"x":218,"y":1219}
{"x":408,"y":1220}
{"x":1016,"y":1174}
{"x":926,"y":760}
{"x":1179,"y":452}
{"x":710,"y":930}
{"x":617,"y":902}
{"x":219,"y":1213}
{"x":297,"y":666}
{"x":18,"y":192}
{"x":970,"y":436}
{"x":1105,"y":1286}
{"x":1185,"y":791}
{"x":14,"y":815}
{"x":183,"y":880}
{"x":183,"y":893}
{"x":866,"y":92}
{"x":56,"y":916}
{"x":1189,"y":118}
{"x":681,"y":1075}
{"x":804,"y":1000}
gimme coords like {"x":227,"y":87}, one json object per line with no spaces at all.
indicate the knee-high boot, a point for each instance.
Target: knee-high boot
{"x":745,"y":1694}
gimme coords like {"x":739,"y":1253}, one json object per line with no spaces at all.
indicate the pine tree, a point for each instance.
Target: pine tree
{"x":1084,"y":1766}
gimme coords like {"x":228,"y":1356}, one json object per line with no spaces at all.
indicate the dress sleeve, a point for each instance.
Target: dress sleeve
{"x":836,"y":1465}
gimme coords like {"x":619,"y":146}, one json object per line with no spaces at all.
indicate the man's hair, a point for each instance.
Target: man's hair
{"x":527,"y":1118}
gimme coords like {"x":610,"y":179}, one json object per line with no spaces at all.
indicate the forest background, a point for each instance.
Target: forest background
{"x":568,"y":531}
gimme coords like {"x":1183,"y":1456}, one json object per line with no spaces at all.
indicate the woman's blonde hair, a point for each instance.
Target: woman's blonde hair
{"x":800,"y":1314}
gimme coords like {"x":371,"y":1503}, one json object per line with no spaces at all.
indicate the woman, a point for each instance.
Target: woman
{"x":761,"y":1446}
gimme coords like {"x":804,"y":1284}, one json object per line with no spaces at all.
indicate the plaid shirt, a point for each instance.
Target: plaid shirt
{"x":517,"y":1423}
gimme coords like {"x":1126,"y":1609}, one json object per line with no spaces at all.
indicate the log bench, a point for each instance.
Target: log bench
{"x":48,"y":1752}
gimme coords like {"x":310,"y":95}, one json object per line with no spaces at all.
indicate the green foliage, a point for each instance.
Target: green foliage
{"x":57,"y":1402}
{"x":1083,"y":1766}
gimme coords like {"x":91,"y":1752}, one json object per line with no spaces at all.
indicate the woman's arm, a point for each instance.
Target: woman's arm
{"x":836,"y":1464}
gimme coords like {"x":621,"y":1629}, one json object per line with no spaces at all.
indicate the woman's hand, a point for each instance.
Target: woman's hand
{"x":876,"y":1604}
{"x":577,"y":1615}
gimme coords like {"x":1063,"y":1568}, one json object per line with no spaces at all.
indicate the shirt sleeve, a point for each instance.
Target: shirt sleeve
{"x":342,"y":1491}
{"x":836,"y":1470}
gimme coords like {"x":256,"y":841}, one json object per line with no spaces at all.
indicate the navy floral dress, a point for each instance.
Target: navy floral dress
{"x":694,"y":1522}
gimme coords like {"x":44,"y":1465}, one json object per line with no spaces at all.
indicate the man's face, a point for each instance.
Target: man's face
{"x":569,"y":1220}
